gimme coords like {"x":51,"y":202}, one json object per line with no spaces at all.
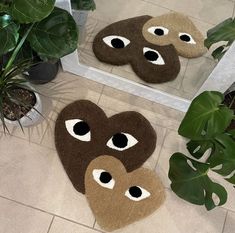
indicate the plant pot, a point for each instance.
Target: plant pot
{"x":31,"y":117}
{"x":43,"y":72}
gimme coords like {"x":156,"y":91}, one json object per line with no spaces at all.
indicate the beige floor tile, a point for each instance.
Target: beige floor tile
{"x":198,"y":70}
{"x":173,"y":143}
{"x":16,"y":218}
{"x":112,"y":11}
{"x":211,"y":11}
{"x":230,"y":223}
{"x":152,"y":161}
{"x":120,"y":101}
{"x":62,"y":226}
{"x":33,"y":175}
{"x":178,"y":216}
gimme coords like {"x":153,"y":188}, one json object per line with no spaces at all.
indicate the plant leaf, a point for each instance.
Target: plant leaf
{"x":55,"y":36}
{"x":224,"y":154}
{"x":198,"y":148}
{"x":206,"y":117}
{"x":31,"y":11}
{"x":193,"y":184}
{"x":219,"y":52}
{"x":224,"y":31}
{"x":8,"y":33}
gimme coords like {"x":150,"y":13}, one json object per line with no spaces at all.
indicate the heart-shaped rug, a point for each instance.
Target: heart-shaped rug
{"x":117,"y":197}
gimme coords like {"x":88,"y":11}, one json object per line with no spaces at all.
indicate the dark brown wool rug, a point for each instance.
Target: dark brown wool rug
{"x":103,"y":156}
{"x":123,"y":43}
{"x":83,"y":132}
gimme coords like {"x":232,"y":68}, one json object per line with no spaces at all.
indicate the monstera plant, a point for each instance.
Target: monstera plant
{"x":206,"y":125}
{"x":31,"y":32}
{"x":224,"y":33}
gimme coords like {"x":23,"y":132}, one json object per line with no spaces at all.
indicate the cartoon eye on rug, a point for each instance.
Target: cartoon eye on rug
{"x":121,"y":141}
{"x":158,"y":30}
{"x":119,"y":198}
{"x":117,"y":42}
{"x":123,"y":43}
{"x":78,"y":129}
{"x":176,"y":29}
{"x":83,"y":132}
{"x":153,"y":56}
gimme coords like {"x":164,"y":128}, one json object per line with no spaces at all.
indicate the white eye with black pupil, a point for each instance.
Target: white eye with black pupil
{"x":121,"y":141}
{"x":78,"y":129}
{"x":187,"y":38}
{"x":158,"y":30}
{"x":117,"y":42}
{"x":103,"y":178}
{"x":153,"y":56}
{"x":136,"y":193}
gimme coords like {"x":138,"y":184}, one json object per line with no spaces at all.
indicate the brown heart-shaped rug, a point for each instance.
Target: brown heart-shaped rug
{"x":83,"y":132}
{"x":118,"y":198}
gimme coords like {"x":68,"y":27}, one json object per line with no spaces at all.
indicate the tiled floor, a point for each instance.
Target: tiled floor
{"x":36,"y":195}
{"x":204,"y":13}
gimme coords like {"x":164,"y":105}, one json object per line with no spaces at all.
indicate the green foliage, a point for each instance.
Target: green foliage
{"x":8,"y":33}
{"x":191,"y":182}
{"x":205,"y":124}
{"x":223,"y":32}
{"x":30,"y":27}
{"x":55,"y":36}
{"x":84,"y":4}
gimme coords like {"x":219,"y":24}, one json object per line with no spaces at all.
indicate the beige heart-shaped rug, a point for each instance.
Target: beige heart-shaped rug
{"x":118,"y":198}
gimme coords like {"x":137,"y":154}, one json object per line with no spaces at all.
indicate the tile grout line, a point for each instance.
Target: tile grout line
{"x":161,"y":148}
{"x":51,"y":224}
{"x":46,"y":212}
{"x":100,"y":94}
{"x":225,"y":221}
{"x":94,"y":224}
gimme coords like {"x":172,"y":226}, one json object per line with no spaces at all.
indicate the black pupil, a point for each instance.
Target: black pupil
{"x":135,"y":191}
{"x":185,"y":38}
{"x":151,"y":55}
{"x":120,"y":140}
{"x":81,"y":128}
{"x":117,"y":43}
{"x":159,"y":32}
{"x":105,"y":177}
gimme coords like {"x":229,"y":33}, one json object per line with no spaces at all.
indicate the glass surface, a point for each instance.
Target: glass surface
{"x":193,"y":72}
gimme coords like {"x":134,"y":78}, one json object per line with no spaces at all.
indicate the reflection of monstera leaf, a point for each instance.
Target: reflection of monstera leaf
{"x":30,"y":11}
{"x":225,"y":32}
{"x":206,"y":117}
{"x":84,"y":4}
{"x":55,"y":36}
{"x":190,"y":182}
{"x":8,"y":34}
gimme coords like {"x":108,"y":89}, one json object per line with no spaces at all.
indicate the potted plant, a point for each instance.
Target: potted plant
{"x":207,"y":126}
{"x":80,"y":14}
{"x":53,"y":35}
{"x":39,"y":30}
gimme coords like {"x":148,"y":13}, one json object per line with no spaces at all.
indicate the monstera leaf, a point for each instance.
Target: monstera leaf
{"x":225,"y":32}
{"x":198,"y":148}
{"x":30,"y":11}
{"x":55,"y":36}
{"x":224,"y":155}
{"x":206,"y":117}
{"x":8,"y":33}
{"x":190,"y":182}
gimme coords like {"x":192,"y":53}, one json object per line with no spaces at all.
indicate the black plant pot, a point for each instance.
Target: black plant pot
{"x":43,"y":72}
